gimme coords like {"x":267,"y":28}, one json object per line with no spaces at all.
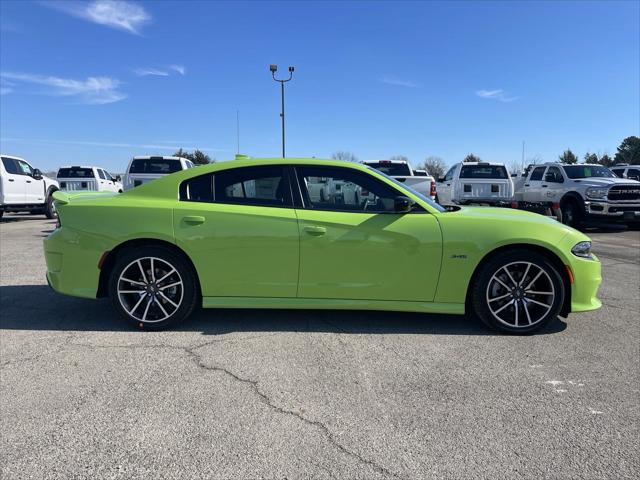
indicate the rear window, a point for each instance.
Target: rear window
{"x":483,"y":171}
{"x":391,"y":169}
{"x":152,"y":165}
{"x":75,"y":172}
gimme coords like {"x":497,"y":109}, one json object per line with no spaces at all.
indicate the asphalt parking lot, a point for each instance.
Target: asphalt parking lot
{"x":313,"y":394}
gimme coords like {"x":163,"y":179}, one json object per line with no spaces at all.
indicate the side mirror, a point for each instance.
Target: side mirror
{"x":402,"y":204}
{"x":440,"y":179}
{"x":118,"y":178}
{"x":37,"y":174}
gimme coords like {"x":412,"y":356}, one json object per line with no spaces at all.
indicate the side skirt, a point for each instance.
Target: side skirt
{"x":332,"y":304}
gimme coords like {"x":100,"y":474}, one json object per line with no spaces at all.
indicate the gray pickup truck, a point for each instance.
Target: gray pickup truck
{"x":579,"y":192}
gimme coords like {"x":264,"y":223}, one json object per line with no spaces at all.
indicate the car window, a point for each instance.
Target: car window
{"x":25,"y":168}
{"x":10,"y":165}
{"x":75,"y":172}
{"x":619,"y":172}
{"x":344,"y":189}
{"x":483,"y":171}
{"x":154,"y":165}
{"x":537,"y":173}
{"x":392,"y":169}
{"x":633,"y":173}
{"x":554,"y":175}
{"x":449,"y":175}
{"x":101,"y":174}
{"x":587,"y":171}
{"x":257,"y":186}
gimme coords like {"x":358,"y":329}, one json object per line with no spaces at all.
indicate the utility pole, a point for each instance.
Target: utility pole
{"x":273,"y":69}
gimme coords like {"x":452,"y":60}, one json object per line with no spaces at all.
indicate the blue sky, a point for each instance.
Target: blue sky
{"x":97,"y":82}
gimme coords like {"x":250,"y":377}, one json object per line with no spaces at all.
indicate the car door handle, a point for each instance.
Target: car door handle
{"x":545,"y":186}
{"x":28,"y":181}
{"x":315,"y":230}
{"x":11,"y":180}
{"x":527,"y":185}
{"x":193,"y":219}
{"x":448,"y":184}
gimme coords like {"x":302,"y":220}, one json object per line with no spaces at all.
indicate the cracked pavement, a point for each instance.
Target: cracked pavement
{"x":313,"y":394}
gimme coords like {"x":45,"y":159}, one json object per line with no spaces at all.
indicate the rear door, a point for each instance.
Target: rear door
{"x":240,"y":229}
{"x":365,"y":250}
{"x":533,"y":185}
{"x":14,"y":185}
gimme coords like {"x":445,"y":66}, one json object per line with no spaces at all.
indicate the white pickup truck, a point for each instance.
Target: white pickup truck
{"x":400,"y":170}
{"x":579,"y":192}
{"x":145,"y":169}
{"x":83,"y":178}
{"x":482,"y":183}
{"x":24,"y":188}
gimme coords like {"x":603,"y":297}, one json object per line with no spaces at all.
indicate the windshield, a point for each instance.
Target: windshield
{"x":75,"y":172}
{"x":153,"y":165}
{"x":417,"y":194}
{"x":483,"y":171}
{"x":587,"y":171}
{"x":390,"y":168}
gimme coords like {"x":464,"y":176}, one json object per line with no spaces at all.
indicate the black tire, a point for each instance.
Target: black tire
{"x":1,"y":213}
{"x":515,"y":316}
{"x":50,"y":208}
{"x":186,"y":299}
{"x":571,"y":213}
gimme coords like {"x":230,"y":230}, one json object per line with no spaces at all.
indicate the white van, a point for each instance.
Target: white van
{"x":147,"y":168}
{"x":476,"y":183}
{"x":24,"y":188}
{"x":85,"y":178}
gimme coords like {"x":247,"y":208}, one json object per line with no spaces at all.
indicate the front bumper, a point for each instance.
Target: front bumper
{"x":613,"y":211}
{"x":587,"y":276}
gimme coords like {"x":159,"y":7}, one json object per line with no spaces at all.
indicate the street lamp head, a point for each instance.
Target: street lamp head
{"x":273,"y":68}
{"x":290,"y":69}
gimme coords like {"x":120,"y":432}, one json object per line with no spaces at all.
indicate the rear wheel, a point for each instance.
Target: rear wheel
{"x":50,"y":207}
{"x":153,"y":287}
{"x":518,"y":292}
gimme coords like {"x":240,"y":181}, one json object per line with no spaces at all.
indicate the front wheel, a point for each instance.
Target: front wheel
{"x":518,"y":292}
{"x":571,"y":214}
{"x":153,"y":287}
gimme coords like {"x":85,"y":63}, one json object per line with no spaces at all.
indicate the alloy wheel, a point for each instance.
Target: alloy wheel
{"x":520,"y":294}
{"x":150,"y":289}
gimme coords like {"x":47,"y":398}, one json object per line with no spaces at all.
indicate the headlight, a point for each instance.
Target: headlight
{"x":596,"y":192}
{"x":582,"y":249}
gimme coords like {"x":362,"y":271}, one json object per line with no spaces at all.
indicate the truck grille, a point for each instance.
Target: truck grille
{"x":624,"y":192}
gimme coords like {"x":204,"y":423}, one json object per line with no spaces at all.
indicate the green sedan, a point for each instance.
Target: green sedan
{"x":313,"y":234}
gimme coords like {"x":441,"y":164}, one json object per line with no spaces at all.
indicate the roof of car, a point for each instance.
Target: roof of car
{"x":79,"y":166}
{"x":158,"y":157}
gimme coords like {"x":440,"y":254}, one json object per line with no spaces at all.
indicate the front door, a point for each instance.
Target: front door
{"x":34,"y":189}
{"x":357,"y":247}
{"x":533,"y":185}
{"x":240,"y":229}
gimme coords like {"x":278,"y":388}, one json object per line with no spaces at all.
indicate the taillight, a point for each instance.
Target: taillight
{"x":433,"y":188}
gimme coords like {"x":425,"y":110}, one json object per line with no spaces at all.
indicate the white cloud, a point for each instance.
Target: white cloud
{"x":398,"y":82}
{"x":498,"y":94}
{"x":146,"y":146}
{"x":93,"y":90}
{"x":178,"y":68}
{"x":160,"y":72}
{"x":117,"y":14}
{"x":143,"y":72}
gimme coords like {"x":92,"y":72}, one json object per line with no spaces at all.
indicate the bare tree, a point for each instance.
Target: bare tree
{"x":435,"y":166}
{"x":344,"y":156}
{"x":471,"y":158}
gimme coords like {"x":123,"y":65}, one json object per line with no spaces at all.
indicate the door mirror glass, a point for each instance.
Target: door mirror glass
{"x":440,"y":179}
{"x":118,"y":178}
{"x":402,"y":204}
{"x":37,"y":174}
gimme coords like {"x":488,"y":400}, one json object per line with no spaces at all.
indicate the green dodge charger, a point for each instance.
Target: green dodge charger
{"x":313,"y":234}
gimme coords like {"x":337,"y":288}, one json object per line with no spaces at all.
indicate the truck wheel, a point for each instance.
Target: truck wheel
{"x":1,"y":213}
{"x":50,"y":208}
{"x":153,"y":288}
{"x":571,"y":214}
{"x":518,"y":292}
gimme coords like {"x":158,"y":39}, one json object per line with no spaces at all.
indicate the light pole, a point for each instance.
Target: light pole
{"x":273,"y":69}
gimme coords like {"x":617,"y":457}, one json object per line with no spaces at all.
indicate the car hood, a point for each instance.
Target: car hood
{"x":506,"y":214}
{"x":605,"y":181}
